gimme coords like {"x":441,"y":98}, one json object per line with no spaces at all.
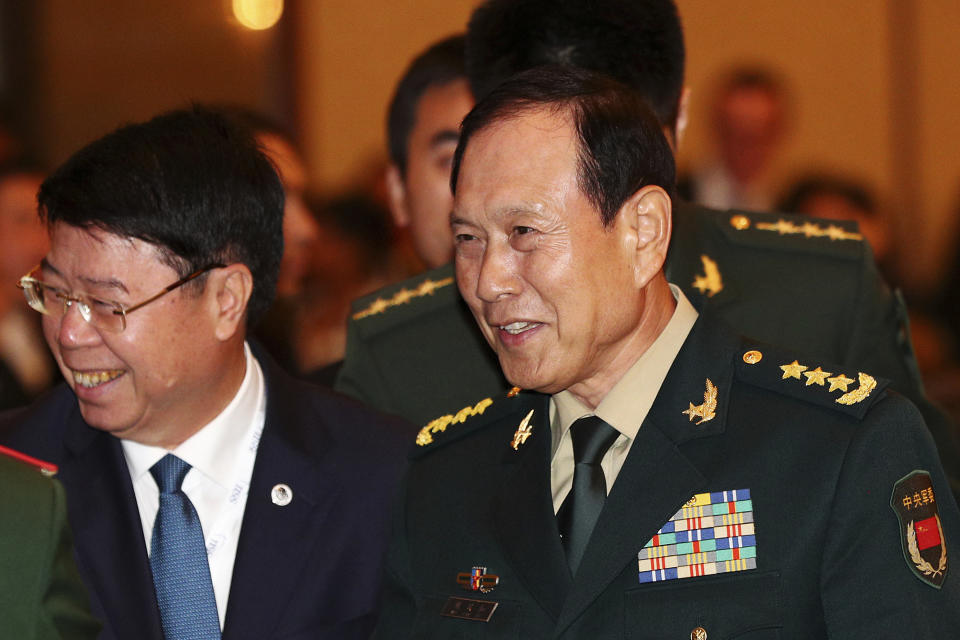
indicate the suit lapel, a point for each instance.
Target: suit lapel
{"x":108,"y":534}
{"x":657,"y":478}
{"x":275,"y":539}
{"x":523,"y":512}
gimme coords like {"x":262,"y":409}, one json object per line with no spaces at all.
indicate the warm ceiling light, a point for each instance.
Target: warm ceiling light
{"x":258,"y":14}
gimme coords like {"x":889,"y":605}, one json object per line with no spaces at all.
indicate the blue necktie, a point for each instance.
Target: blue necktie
{"x":178,"y":558}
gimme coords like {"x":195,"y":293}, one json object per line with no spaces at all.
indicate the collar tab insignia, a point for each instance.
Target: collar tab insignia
{"x":524,"y":431}
{"x":707,"y":410}
{"x":513,"y":392}
{"x":711,"y":282}
{"x":478,"y":580}
{"x":921,"y":531}
{"x":440,"y":424}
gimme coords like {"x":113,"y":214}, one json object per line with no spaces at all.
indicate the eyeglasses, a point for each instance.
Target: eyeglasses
{"x":108,"y":315}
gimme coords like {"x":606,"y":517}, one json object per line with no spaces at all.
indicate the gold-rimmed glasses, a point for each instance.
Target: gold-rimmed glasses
{"x":108,"y":315}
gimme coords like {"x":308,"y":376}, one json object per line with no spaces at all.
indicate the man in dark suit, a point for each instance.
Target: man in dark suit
{"x":807,"y":284}
{"x":663,"y":477}
{"x":207,"y":490}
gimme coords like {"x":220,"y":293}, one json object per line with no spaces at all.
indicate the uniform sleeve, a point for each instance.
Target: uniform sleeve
{"x":65,"y":608}
{"x":868,"y":586}
{"x":880,"y":343}
{"x":398,"y":607}
{"x":879,"y":338}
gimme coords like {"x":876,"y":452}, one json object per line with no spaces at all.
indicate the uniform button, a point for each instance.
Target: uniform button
{"x":740,"y":222}
{"x":752,"y":357}
{"x":698,"y":634}
{"x":281,"y":495}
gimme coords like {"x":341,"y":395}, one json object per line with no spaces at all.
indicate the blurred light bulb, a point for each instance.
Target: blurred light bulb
{"x":258,"y":14}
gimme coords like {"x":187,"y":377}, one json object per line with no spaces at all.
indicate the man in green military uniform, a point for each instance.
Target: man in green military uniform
{"x":41,"y":595}
{"x":663,"y":477}
{"x":807,"y":284}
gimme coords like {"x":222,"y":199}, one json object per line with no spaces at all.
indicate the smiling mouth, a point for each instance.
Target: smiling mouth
{"x":515,"y":328}
{"x":96,"y":378}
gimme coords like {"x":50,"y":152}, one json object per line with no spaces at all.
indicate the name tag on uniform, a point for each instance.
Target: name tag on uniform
{"x":466,"y":609}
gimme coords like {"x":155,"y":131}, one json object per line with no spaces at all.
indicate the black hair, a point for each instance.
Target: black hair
{"x":637,"y":42}
{"x":188,"y":182}
{"x":622,"y":147}
{"x":439,"y":65}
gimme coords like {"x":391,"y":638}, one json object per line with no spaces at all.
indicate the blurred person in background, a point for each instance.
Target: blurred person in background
{"x":423,"y":126}
{"x":831,"y":197}
{"x":352,"y":258}
{"x":300,"y":233}
{"x":26,"y":368}
{"x":748,"y":122}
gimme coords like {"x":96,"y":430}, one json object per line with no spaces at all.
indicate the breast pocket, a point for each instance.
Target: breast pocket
{"x":432,"y":624}
{"x":745,"y":606}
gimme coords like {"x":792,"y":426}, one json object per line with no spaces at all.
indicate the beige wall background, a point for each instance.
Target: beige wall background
{"x":875,"y":82}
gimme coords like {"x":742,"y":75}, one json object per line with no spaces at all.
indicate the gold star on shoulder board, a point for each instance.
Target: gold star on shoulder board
{"x":839,"y":382}
{"x":707,"y":410}
{"x":792,"y":370}
{"x":817,"y":376}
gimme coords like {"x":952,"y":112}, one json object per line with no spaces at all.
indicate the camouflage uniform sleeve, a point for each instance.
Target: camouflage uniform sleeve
{"x":872,"y":584}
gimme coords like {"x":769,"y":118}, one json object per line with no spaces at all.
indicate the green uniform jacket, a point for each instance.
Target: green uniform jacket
{"x":813,"y":550}
{"x":41,"y":595}
{"x":413,"y":349}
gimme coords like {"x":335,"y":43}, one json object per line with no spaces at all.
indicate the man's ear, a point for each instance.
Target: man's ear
{"x":397,"y":195}
{"x":230,"y":289}
{"x":648,"y":224}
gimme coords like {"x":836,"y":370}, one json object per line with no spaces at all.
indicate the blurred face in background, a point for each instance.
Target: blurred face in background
{"x":300,"y":230}
{"x":421,"y":200}
{"x":23,"y":238}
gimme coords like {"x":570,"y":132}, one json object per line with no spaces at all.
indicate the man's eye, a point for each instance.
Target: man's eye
{"x":522,"y":231}
{"x":463,"y":237}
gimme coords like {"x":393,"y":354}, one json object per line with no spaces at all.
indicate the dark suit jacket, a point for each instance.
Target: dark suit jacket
{"x":310,"y":569}
{"x":811,"y":288}
{"x":830,"y":562}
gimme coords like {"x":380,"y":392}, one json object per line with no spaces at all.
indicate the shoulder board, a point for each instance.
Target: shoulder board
{"x":453,"y":426}
{"x":807,"y":379}
{"x":426,"y":290}
{"x":46,"y":468}
{"x":841,"y":238}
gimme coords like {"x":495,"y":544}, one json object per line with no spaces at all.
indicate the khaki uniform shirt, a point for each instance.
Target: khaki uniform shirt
{"x":624,"y":408}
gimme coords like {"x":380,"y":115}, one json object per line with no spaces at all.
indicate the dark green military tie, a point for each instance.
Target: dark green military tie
{"x":578,"y":514}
